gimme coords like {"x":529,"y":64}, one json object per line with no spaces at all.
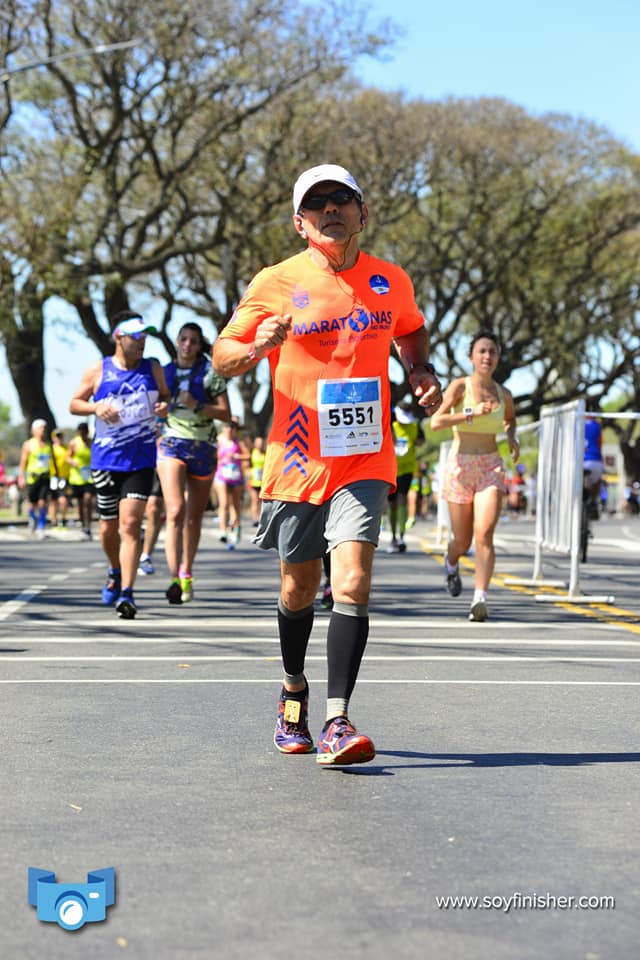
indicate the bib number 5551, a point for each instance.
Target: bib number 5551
{"x":347,"y":416}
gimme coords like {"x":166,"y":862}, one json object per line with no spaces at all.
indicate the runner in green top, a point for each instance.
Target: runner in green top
{"x":405,"y":429}
{"x":187,"y":452}
{"x":34,"y":474}
{"x":80,"y":479}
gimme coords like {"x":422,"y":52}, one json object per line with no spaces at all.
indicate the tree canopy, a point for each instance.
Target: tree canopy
{"x":162,"y":172}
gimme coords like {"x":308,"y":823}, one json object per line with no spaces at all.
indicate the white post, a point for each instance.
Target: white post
{"x":443,"y":521}
{"x":576,"y":511}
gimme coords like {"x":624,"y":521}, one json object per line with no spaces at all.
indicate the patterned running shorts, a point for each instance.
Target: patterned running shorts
{"x":469,"y":473}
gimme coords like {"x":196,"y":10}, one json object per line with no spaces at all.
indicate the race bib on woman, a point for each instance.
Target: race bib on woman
{"x":231,"y":472}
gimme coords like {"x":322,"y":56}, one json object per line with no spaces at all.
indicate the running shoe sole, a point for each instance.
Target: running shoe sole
{"x":341,"y":744}
{"x":186,"y":585}
{"x":110,"y":594}
{"x":292,"y":730}
{"x":454,"y":584}
{"x":478,"y":612}
{"x":293,"y":748}
{"x":174,"y":593}
{"x":126,"y":608}
{"x":359,"y":750}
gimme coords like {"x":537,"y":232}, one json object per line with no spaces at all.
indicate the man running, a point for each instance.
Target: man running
{"x":326,"y":319}
{"x":126,"y":393}
{"x":34,"y":474}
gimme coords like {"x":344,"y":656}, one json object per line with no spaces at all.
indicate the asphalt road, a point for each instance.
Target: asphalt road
{"x":507,"y":764}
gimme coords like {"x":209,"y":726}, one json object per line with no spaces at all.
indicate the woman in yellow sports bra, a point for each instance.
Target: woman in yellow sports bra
{"x":476,"y":408}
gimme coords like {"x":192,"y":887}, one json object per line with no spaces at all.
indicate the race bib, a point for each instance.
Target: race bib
{"x":134,"y":407}
{"x":231,"y":472}
{"x":401,"y":446}
{"x":349,"y":416}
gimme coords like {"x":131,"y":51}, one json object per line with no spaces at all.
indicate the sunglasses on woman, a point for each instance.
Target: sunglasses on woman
{"x":318,"y":201}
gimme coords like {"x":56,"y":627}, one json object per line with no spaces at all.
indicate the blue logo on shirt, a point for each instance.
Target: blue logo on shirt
{"x":379,"y":284}
{"x":359,"y":321}
{"x":349,"y":391}
{"x":300,"y":298}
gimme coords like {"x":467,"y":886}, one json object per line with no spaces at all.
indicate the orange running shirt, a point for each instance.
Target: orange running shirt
{"x":331,"y":418}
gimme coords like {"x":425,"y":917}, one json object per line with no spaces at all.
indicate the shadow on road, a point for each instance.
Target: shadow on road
{"x":466,"y":760}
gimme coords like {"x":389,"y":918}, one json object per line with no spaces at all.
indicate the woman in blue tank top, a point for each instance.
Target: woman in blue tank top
{"x":476,"y":408}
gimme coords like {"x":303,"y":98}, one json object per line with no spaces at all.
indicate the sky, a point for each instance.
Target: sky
{"x":568,"y":56}
{"x":578,"y":57}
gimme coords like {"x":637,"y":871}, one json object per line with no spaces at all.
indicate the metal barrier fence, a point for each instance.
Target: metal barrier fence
{"x":442,"y":520}
{"x":560,"y":490}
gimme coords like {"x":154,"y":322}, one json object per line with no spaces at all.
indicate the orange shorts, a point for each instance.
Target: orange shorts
{"x":468,"y":473}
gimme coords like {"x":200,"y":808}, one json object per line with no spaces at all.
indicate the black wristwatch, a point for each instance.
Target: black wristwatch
{"x":429,"y":367}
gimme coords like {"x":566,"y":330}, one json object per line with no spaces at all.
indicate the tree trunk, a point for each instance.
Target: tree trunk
{"x":24,"y":346}
{"x":631,"y":459}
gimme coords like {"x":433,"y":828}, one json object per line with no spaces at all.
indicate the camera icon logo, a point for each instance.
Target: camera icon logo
{"x":71,"y":905}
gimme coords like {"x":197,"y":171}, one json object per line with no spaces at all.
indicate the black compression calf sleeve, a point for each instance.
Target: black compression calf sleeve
{"x":295,"y":630}
{"x":346,"y":642}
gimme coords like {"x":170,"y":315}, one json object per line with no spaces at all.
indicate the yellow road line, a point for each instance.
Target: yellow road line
{"x":605,"y":613}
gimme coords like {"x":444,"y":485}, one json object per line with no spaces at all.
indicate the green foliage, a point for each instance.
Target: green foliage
{"x":5,"y":416}
{"x":163,"y":173}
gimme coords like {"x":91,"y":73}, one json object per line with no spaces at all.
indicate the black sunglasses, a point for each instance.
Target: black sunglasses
{"x":318,"y":201}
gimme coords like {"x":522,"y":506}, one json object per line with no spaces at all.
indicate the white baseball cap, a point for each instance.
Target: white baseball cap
{"x":133,"y":325}
{"x":321,"y":174}
{"x":38,"y":423}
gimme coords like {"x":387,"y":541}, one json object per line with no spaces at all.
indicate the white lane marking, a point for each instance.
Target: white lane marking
{"x":23,"y":639}
{"x":628,"y":540}
{"x":278,"y":679}
{"x":11,"y":606}
{"x":249,"y":658}
{"x":269,"y":623}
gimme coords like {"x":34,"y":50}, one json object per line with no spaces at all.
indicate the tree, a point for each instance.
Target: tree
{"x":164,"y":174}
{"x":528,"y":227}
{"x":146,"y":175}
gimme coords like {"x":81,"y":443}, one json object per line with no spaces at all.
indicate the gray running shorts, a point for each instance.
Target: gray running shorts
{"x":306,"y":531}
